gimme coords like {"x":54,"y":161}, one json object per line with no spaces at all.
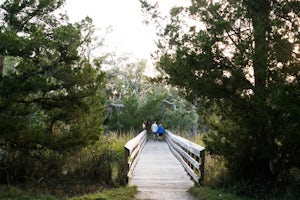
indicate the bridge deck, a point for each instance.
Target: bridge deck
{"x":159,"y":175}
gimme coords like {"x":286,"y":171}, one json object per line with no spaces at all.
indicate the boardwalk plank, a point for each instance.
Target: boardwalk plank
{"x":159,"y":175}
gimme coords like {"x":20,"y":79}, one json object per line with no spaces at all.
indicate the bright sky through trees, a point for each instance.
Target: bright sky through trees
{"x":129,"y":34}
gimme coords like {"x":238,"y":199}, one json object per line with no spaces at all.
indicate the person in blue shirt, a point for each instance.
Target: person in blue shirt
{"x":160,"y":131}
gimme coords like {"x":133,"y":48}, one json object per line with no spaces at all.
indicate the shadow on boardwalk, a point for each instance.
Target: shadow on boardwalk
{"x":158,"y":175}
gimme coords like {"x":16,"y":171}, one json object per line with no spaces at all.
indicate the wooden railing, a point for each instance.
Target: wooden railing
{"x":191,"y":155}
{"x":132,"y":152}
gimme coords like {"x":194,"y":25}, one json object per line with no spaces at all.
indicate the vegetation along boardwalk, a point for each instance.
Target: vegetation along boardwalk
{"x":159,"y":175}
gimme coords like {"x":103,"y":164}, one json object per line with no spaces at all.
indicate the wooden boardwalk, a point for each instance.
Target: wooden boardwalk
{"x":158,"y":175}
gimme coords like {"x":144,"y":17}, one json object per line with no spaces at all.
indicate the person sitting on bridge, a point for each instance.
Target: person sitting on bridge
{"x":154,"y":128}
{"x":160,"y":131}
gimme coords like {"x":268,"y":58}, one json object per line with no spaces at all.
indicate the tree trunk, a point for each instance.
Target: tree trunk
{"x":259,"y":12}
{"x":1,"y":65}
{"x":260,"y":58}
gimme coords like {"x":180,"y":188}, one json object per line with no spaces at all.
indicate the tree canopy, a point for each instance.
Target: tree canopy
{"x":134,"y":98}
{"x":240,"y":61}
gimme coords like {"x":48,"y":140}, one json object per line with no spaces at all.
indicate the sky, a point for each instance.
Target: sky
{"x":129,"y":33}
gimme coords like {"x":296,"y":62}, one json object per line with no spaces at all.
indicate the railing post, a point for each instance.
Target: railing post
{"x":126,"y":166}
{"x":202,"y":158}
{"x":132,"y":150}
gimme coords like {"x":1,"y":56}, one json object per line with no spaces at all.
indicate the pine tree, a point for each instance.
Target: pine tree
{"x":240,"y":61}
{"x":51,"y":99}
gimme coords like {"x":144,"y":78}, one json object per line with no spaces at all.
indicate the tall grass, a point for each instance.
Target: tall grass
{"x":118,"y":141}
{"x":89,"y":170}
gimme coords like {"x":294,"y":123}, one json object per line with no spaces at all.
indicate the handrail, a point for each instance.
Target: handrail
{"x":191,"y":155}
{"x":132,"y":150}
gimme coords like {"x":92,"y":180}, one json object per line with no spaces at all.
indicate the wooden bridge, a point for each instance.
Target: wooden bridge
{"x":163,"y":169}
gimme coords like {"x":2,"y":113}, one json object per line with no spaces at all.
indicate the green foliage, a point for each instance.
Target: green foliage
{"x":183,"y":118}
{"x":246,"y":88}
{"x":128,"y":117}
{"x":51,"y":101}
{"x":134,"y":98}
